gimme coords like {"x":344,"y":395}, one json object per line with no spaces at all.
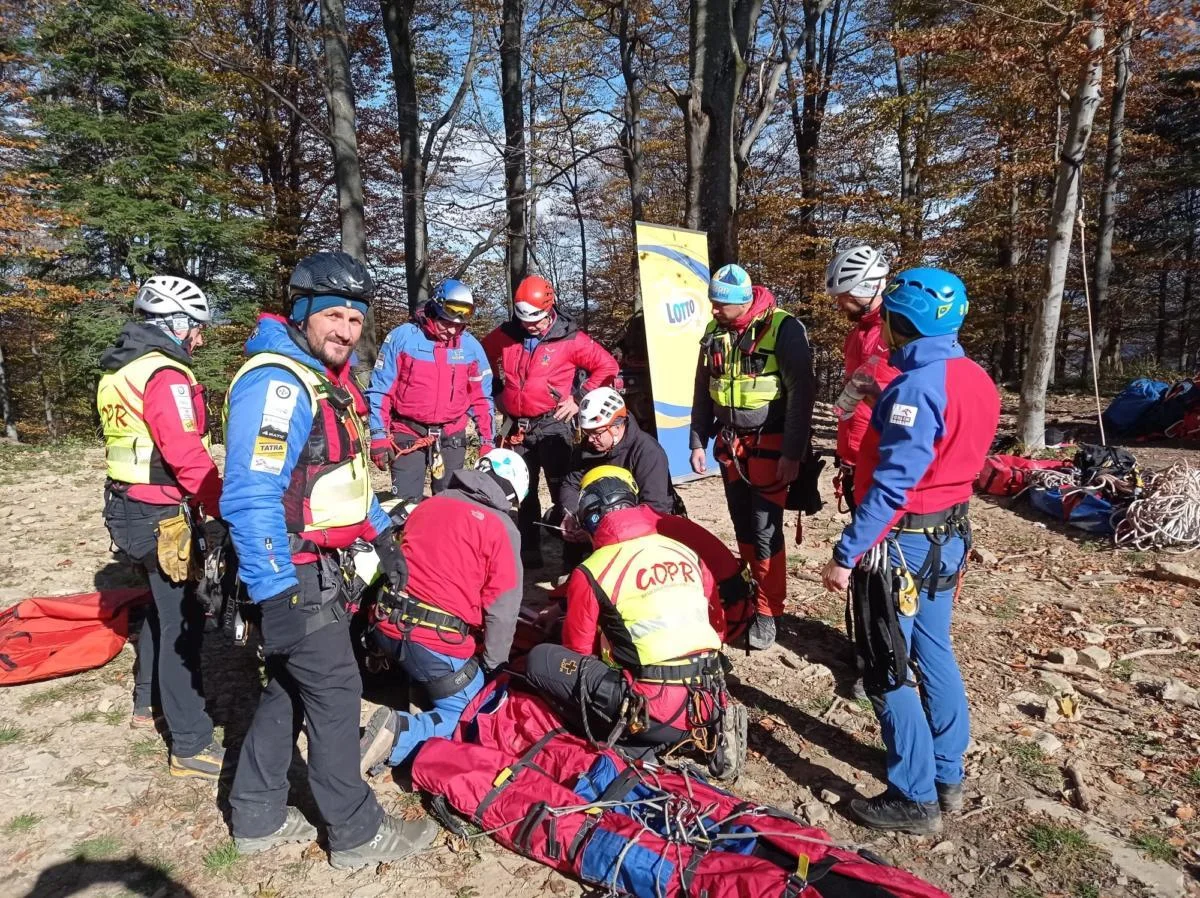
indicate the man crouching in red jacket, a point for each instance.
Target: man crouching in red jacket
{"x":464,"y":577}
{"x":640,"y":659}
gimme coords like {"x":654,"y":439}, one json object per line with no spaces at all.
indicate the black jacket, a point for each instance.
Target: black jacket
{"x":639,"y":453}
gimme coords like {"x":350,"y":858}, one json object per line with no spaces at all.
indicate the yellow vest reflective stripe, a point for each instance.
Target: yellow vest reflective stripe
{"x":129,"y":449}
{"x":325,"y":492}
{"x":653,"y":609}
{"x":745,"y":380}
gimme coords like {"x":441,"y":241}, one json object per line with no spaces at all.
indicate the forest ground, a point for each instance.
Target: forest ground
{"x":87,"y":807}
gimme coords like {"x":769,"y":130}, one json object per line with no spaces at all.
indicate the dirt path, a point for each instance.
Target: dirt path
{"x":87,"y":801}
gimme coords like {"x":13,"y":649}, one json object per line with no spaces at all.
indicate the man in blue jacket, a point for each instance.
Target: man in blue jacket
{"x":907,"y":544}
{"x":297,"y":491}
{"x":431,"y":375}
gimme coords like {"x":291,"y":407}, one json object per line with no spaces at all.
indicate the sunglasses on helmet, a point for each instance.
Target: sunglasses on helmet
{"x":456,"y":311}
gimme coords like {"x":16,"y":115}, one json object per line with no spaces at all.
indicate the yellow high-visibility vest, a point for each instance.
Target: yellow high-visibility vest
{"x":328,"y":488}
{"x":746,"y":381}
{"x":130,"y":452}
{"x":653,"y":608}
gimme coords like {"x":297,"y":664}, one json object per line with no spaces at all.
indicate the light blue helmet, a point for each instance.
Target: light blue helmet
{"x":452,"y":301}
{"x":730,"y":286}
{"x":935,"y":301}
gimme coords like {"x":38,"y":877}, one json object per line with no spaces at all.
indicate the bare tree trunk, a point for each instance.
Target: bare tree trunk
{"x":397,"y":25}
{"x":8,"y":414}
{"x":43,"y":387}
{"x":1185,"y":300}
{"x":824,"y":26}
{"x":1032,"y":417}
{"x":696,"y":122}
{"x":511,"y":83}
{"x":629,"y":43}
{"x":1107,"y":226}
{"x":339,"y":95}
{"x":727,"y":41}
{"x":1009,"y":259}
{"x":912,"y":143}
{"x":1160,"y":324}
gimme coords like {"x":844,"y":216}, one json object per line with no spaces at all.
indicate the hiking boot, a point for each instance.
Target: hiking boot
{"x":730,"y":757}
{"x":378,"y":740}
{"x":950,"y":797}
{"x":859,"y":691}
{"x":144,"y":719}
{"x":294,"y":829}
{"x":892,"y":813}
{"x":205,"y":764}
{"x":762,"y":632}
{"x":395,"y":840}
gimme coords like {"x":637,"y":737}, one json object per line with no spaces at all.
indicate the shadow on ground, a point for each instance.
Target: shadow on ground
{"x":132,"y":873}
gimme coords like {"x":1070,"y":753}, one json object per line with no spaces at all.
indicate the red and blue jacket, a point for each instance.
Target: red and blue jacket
{"x":252,"y":502}
{"x":430,"y":382}
{"x":930,"y":432}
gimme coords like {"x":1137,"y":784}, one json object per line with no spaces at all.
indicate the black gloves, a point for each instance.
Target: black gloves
{"x":391,"y":560}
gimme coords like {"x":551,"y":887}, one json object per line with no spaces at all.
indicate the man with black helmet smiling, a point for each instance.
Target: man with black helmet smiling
{"x":298,"y":491}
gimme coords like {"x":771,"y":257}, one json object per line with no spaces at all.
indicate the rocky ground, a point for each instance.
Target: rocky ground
{"x":1083,"y":774}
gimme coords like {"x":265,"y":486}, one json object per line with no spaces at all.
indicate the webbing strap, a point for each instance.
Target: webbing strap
{"x":526,"y":760}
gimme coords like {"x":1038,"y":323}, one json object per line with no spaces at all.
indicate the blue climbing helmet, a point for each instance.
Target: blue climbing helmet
{"x":452,"y":301}
{"x":730,"y":286}
{"x":935,"y":301}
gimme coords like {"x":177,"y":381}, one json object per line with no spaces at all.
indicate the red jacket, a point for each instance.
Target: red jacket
{"x":530,"y":377}
{"x":583,"y":622}
{"x":864,"y":346}
{"x":464,"y":558}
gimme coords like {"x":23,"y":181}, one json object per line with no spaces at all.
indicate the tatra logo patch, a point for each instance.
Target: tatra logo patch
{"x":904,"y":415}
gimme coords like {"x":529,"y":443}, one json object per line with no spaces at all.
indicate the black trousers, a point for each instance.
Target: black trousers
{"x":168,"y":649}
{"x":408,"y":471}
{"x":314,"y":677}
{"x":562,"y":676}
{"x":546,"y":449}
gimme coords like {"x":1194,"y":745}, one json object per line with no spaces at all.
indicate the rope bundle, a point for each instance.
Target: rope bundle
{"x":1168,"y":514}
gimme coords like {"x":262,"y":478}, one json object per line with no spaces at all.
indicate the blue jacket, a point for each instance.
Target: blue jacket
{"x":929,"y":435}
{"x":252,"y":501}
{"x":430,"y":382}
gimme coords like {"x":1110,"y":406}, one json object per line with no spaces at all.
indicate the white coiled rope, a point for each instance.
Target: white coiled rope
{"x":1167,"y":516}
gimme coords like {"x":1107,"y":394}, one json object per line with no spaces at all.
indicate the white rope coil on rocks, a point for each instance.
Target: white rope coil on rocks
{"x":1167,"y":516}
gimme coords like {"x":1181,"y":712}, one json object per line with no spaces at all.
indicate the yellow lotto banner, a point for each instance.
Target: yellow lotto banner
{"x":673,"y":269}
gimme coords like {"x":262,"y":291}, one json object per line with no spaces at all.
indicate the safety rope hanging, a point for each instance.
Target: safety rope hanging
{"x":1087,"y":301}
{"x":1167,"y":516}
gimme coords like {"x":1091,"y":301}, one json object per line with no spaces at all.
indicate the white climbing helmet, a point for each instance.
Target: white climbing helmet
{"x":601,"y":407}
{"x":509,"y":467}
{"x":859,"y":271}
{"x":168,"y":295}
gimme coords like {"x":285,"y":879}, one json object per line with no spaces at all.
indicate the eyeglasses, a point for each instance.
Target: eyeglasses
{"x":598,"y":432}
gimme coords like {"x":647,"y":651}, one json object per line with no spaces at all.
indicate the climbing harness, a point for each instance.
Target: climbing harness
{"x":881,"y":592}
{"x":406,"y":613}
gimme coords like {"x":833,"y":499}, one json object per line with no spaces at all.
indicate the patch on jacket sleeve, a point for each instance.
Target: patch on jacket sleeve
{"x":270,"y":445}
{"x":182,"y":393}
{"x":904,"y":415}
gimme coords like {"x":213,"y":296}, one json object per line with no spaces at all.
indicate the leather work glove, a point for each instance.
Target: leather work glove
{"x":383,"y":452}
{"x":391,"y":560}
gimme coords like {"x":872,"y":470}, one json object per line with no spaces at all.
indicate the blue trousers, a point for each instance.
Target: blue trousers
{"x":926,"y":730}
{"x":424,"y":666}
